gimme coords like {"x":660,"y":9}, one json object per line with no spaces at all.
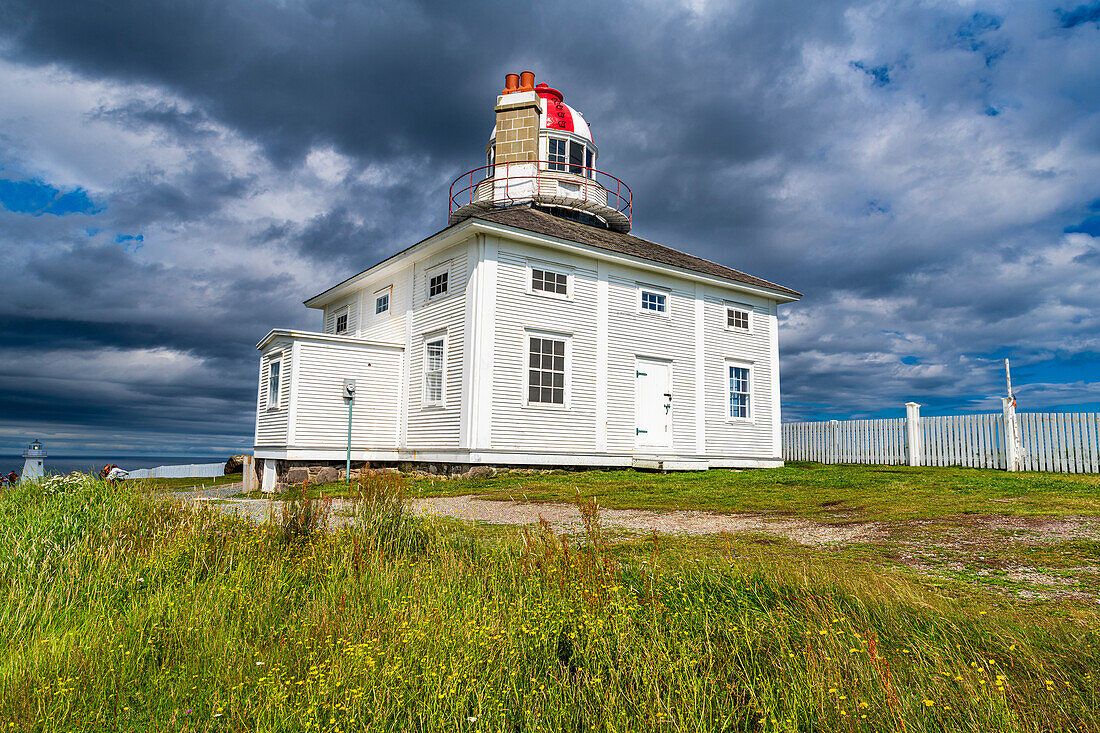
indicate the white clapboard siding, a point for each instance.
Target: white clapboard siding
{"x":332,"y":310}
{"x":631,"y":334}
{"x":733,"y":438}
{"x":320,"y":412}
{"x":430,"y":426}
{"x":517,"y":425}
{"x":1054,"y":442}
{"x":272,"y":421}
{"x":388,"y":326}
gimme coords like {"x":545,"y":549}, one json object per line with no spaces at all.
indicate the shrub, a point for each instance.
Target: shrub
{"x":382,"y":519}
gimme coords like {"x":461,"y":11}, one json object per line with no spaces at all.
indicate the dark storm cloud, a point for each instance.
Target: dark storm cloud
{"x":922,"y":173}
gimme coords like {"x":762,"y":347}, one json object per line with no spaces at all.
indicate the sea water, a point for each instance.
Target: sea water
{"x":92,"y":464}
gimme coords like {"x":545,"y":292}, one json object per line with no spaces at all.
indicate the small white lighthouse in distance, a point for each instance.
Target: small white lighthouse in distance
{"x":35,"y":457}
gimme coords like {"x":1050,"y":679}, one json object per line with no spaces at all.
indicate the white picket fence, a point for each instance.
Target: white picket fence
{"x":187,"y":470}
{"x":1052,"y":441}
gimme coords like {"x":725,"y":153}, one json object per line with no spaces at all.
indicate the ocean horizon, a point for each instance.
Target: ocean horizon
{"x":92,"y":464}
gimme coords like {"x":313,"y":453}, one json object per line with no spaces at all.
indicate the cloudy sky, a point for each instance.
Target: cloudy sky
{"x":176,"y":177}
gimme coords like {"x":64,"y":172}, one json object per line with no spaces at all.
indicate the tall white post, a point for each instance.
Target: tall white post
{"x":1011,"y":430}
{"x":912,"y":428}
{"x":834,"y":442}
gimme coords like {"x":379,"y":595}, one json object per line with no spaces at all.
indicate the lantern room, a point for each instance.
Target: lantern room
{"x":541,"y":152}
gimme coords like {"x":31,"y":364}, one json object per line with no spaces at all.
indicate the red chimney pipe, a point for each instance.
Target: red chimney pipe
{"x":511,"y":83}
{"x":527,"y":81}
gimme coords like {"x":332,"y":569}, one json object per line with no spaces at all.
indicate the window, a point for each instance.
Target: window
{"x":490,"y":158}
{"x":273,"y":371}
{"x":437,"y":284}
{"x":556,"y":154}
{"x":576,"y":158}
{"x":342,"y":322}
{"x":737,"y":319}
{"x":433,"y":371}
{"x":739,"y":392}
{"x":545,"y":371}
{"x":381,"y":304}
{"x":588,"y":162}
{"x":654,"y":302}
{"x":549,"y":282}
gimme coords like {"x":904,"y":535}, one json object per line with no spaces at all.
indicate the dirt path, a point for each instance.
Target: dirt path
{"x":566,"y":518}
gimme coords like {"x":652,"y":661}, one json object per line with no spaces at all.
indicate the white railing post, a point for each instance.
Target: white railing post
{"x":834,"y":442}
{"x":1013,"y":444}
{"x":912,"y":428}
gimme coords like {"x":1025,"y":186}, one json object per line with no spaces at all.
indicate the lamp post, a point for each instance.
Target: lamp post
{"x":349,"y":395}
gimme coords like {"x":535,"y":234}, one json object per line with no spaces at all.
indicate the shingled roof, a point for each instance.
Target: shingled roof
{"x":540,"y":222}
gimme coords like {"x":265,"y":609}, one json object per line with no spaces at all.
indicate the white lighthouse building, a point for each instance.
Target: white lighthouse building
{"x":534,"y":330}
{"x":34,"y":459}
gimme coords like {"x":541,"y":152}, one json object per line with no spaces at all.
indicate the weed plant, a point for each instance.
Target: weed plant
{"x":125,"y":612}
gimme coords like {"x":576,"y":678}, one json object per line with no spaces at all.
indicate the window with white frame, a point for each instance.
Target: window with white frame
{"x":549,"y":281}
{"x":274,"y":370}
{"x":576,"y":158}
{"x":569,"y":155}
{"x":434,"y":362}
{"x":653,"y":301}
{"x":341,"y":321}
{"x":740,"y":387}
{"x":555,"y":154}
{"x":737,"y":318}
{"x":546,"y":370}
{"x":381,"y":302}
{"x":437,"y":284}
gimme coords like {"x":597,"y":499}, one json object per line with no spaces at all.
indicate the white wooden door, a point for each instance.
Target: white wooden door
{"x":652,"y":403}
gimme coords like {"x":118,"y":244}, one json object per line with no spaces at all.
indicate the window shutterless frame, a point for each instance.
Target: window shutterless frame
{"x":738,"y":380}
{"x":547,"y":361}
{"x":435,"y":370}
{"x":739,"y":317}
{"x":550,"y":279}
{"x":437,"y":281}
{"x":382,"y":300}
{"x":274,"y":382}
{"x":652,"y":300}
{"x":340,"y":320}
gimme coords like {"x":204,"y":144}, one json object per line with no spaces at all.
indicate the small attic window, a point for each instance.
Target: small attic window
{"x":342,"y":322}
{"x":738,"y":318}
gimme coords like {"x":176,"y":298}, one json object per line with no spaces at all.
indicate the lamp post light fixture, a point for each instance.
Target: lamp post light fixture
{"x":349,"y":395}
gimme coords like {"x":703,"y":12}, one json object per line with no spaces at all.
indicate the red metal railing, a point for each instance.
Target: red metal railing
{"x":617,"y":195}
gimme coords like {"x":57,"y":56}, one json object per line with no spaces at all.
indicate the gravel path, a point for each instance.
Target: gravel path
{"x":566,"y":518}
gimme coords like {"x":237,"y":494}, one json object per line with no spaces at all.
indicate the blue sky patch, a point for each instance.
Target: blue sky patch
{"x":1090,"y":226}
{"x":1081,"y":14}
{"x":36,"y":198}
{"x":881,"y":73}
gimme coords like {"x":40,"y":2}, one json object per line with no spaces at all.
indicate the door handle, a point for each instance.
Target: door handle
{"x":669,"y":395}
{"x":639,"y":431}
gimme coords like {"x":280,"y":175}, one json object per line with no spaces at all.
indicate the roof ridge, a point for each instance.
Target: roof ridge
{"x":571,"y":225}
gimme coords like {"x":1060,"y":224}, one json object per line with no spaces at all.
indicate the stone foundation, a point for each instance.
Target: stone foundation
{"x":295,"y":473}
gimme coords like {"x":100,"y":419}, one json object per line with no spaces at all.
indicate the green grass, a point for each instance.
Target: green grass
{"x":128,"y":613}
{"x":824,"y":493}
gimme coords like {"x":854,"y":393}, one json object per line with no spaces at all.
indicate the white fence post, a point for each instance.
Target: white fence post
{"x":912,"y":426}
{"x":834,"y":441}
{"x":1013,"y":444}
